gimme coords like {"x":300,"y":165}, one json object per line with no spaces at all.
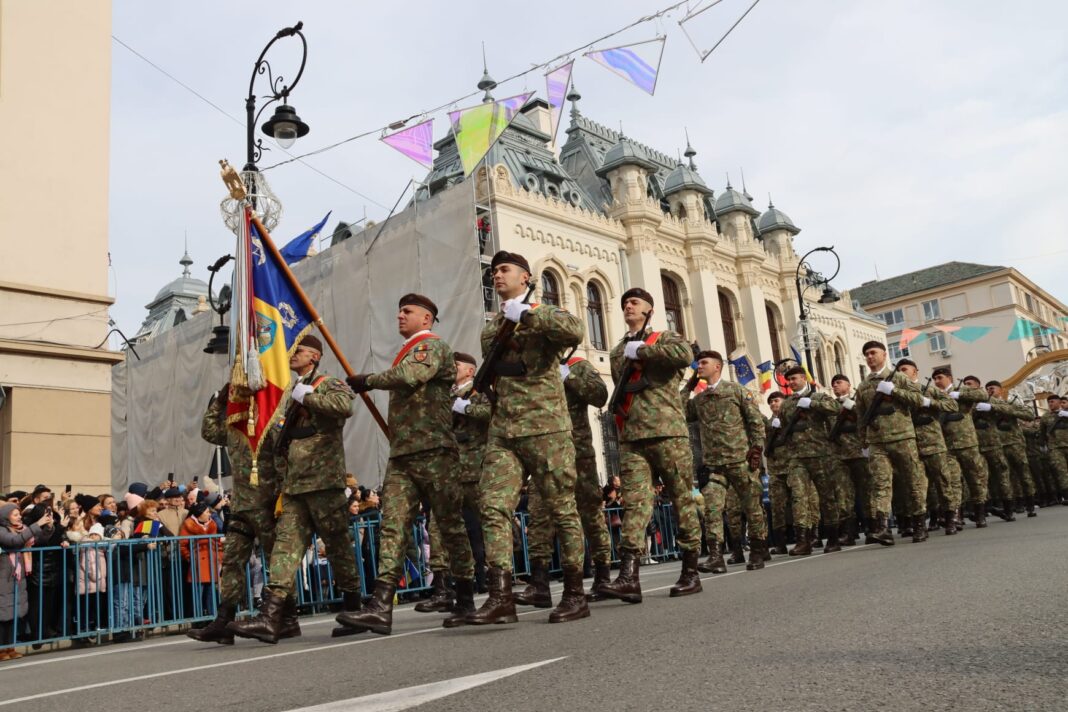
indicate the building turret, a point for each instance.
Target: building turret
{"x":627,"y":167}
{"x":776,"y":229}
{"x":685,"y":190}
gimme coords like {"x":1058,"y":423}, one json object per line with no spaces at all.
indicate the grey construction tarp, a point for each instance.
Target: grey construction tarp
{"x":158,"y":402}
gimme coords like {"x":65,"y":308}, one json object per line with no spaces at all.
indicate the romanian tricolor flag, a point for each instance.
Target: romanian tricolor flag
{"x":801,"y":363}
{"x":277,"y":321}
{"x":765,"y":373}
{"x":148,"y":527}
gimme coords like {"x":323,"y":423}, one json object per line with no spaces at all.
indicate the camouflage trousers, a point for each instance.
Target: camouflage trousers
{"x":1019,"y":471}
{"x":590,"y":505}
{"x":974,"y":472}
{"x":944,"y":481}
{"x":821,"y":473}
{"x":854,"y":482}
{"x":245,"y":527}
{"x":439,"y":553}
{"x":901,"y":458}
{"x":1042,"y":474}
{"x":1000,"y":481}
{"x":1058,"y":462}
{"x":549,"y":461}
{"x":429,"y":476}
{"x":793,"y":487}
{"x":746,"y":493}
{"x":671,"y":460}
{"x":323,"y":513}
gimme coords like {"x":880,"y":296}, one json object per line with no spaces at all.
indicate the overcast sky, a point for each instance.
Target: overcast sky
{"x":903,"y":133}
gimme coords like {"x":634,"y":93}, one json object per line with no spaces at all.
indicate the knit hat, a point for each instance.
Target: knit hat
{"x":197,"y":508}
{"x":132,"y":500}
{"x":97,"y":529}
{"x":86,"y":501}
{"x":138,"y":488}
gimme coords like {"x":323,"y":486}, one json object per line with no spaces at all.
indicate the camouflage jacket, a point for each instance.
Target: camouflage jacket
{"x":779,"y":463}
{"x":926,"y":421}
{"x":959,"y":428}
{"x":730,"y":423}
{"x":892,"y":420}
{"x":533,"y":402}
{"x":583,"y":387}
{"x":470,"y":432}
{"x":316,"y":461}
{"x":1009,"y":416}
{"x":213,"y":429}
{"x":809,"y":436}
{"x":1032,"y":432}
{"x":1054,"y":430}
{"x":848,"y":445}
{"x":989,"y":425}
{"x":420,"y":405}
{"x":656,"y":411}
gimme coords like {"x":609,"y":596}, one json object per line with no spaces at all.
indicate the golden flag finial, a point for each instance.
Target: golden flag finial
{"x":232,"y":180}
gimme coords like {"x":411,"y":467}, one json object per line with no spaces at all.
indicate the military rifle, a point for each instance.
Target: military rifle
{"x":781,"y":435}
{"x":839,"y":424}
{"x":486,"y":377}
{"x":876,"y":401}
{"x":694,"y":378}
{"x":615,"y":403}
{"x":943,"y":417}
{"x":286,"y":435}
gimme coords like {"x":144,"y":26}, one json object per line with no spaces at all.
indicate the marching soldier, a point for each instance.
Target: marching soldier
{"x":313,"y":492}
{"x":732,"y":433}
{"x":423,"y":464}
{"x":251,"y":519}
{"x":1014,"y":445}
{"x":851,"y":464}
{"x":806,"y":415}
{"x":653,"y":443}
{"x":962,"y":442}
{"x":938,"y":465}
{"x":1055,"y":436}
{"x":1000,"y":480}
{"x":583,"y":387}
{"x":885,"y":400}
{"x":529,"y":434}
{"x":783,"y":487}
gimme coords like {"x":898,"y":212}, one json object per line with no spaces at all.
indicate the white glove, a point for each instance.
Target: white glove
{"x":885,"y":387}
{"x":631,"y":349}
{"x":300,"y":390}
{"x":848,"y":403}
{"x":865,"y":452}
{"x":460,"y":405}
{"x":954,"y":395}
{"x":805,"y":403}
{"x":1062,"y":413}
{"x":565,"y":371}
{"x":514,"y":310}
{"x":983,"y":407}
{"x":776,"y":423}
{"x":926,"y":402}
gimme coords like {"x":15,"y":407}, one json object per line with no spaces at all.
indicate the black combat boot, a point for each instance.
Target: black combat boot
{"x":441,"y":597}
{"x":778,"y":539}
{"x":627,"y":586}
{"x":1008,"y":515}
{"x":932,"y":522}
{"x":919,"y":528}
{"x":802,"y":542}
{"x":814,"y":536}
{"x":904,"y":526}
{"x":350,"y":603}
{"x":847,"y":535}
{"x":689,"y":580}
{"x":758,"y":554}
{"x":980,"y":515}
{"x":737,"y":552}
{"x":714,"y":564}
{"x":949,"y":519}
{"x":377,"y":617}
{"x":572,"y":605}
{"x":882,"y":534}
{"x":1018,"y":505}
{"x":499,"y":606}
{"x":960,"y":519}
{"x":869,"y":531}
{"x":1029,"y":506}
{"x":216,"y":632}
{"x":465,"y":604}
{"x":536,"y":592}
{"x":291,"y":617}
{"x":267,"y":625}
{"x":833,"y":544}
{"x":602,"y":574}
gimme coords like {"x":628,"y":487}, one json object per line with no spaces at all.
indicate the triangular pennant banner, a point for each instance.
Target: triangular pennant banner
{"x":556,"y":83}
{"x":968,"y":334}
{"x":1022,"y":329}
{"x":415,"y":142}
{"x":947,"y":328}
{"x":700,"y":28}
{"x":909,"y":336}
{"x":629,"y":64}
{"x":477,"y":128}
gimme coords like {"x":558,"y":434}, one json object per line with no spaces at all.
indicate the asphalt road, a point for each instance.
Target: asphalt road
{"x":972,"y":622}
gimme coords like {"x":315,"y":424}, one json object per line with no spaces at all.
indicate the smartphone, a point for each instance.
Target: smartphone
{"x":195,"y":479}
{"x":68,"y":489}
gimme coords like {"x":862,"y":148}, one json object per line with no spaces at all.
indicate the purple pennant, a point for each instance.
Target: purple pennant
{"x":415,"y":142}
{"x":556,"y":83}
{"x":629,"y":64}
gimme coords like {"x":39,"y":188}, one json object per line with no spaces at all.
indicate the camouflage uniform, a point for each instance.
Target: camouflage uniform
{"x":851,"y":467}
{"x":1045,"y":484}
{"x":942,"y":470}
{"x":990,"y":445}
{"x":789,"y":483}
{"x":730,"y":426}
{"x":891,"y":441}
{"x":530,"y":434}
{"x":1055,"y":437}
{"x":313,"y":492}
{"x":963,"y":444}
{"x":1014,"y":445}
{"x":251,"y":508}
{"x":423,"y":461}
{"x":654,"y":442}
{"x":583,"y":387}
{"x":809,"y":446}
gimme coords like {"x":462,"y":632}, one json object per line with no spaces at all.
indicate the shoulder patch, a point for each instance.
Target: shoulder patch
{"x":748,"y":395}
{"x":421,"y":351}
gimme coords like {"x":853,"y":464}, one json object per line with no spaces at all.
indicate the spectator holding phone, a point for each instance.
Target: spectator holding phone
{"x":15,"y":566}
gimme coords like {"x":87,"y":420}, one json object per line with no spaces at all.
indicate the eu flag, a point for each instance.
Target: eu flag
{"x":743,"y":369}
{"x":299,"y":247}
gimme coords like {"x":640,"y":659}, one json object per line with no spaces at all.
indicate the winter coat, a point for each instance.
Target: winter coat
{"x":208,"y":551}
{"x":14,"y":563}
{"x":92,"y":568}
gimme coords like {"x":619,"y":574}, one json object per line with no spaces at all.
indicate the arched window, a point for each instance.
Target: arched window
{"x":773,"y":329}
{"x":595,"y":317}
{"x":682,"y":212}
{"x":726,"y":314}
{"x":550,"y":289}
{"x":839,"y":358}
{"x":820,"y":375}
{"x":672,"y":305}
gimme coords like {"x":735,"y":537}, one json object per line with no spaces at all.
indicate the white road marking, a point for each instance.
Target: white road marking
{"x":408,"y":697}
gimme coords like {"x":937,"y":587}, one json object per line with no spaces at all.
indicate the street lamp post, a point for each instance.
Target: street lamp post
{"x":285,"y":126}
{"x":828,"y":297}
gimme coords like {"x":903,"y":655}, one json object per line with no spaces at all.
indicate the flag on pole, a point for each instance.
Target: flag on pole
{"x":765,"y":375}
{"x":301,"y":246}
{"x":801,"y":363}
{"x":556,"y":83}
{"x":628,"y":63}
{"x":477,"y":128}
{"x":743,"y":369}
{"x":415,"y":142}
